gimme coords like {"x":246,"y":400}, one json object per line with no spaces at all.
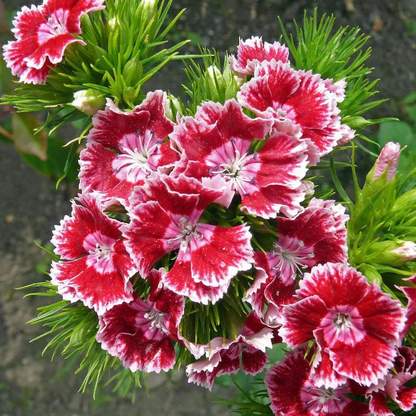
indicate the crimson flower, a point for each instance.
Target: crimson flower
{"x":141,"y":332}
{"x":253,"y":51}
{"x":224,"y":354}
{"x":351,"y":321}
{"x":394,"y":385}
{"x":217,"y":142}
{"x":165,"y":214}
{"x":299,"y":103}
{"x":293,"y":393}
{"x":124,"y":148}
{"x":95,"y":266}
{"x":42,"y":34}
{"x":318,"y":235}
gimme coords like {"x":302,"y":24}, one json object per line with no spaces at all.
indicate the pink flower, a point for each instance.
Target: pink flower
{"x":95,"y":266}
{"x":217,"y":142}
{"x":42,"y":34}
{"x":165,"y":214}
{"x":124,"y":148}
{"x":387,"y":161}
{"x":318,"y":235}
{"x":351,"y":321}
{"x":394,"y":385}
{"x":293,"y":393}
{"x":300,"y":103}
{"x":254,"y":51}
{"x":224,"y":354}
{"x":141,"y":332}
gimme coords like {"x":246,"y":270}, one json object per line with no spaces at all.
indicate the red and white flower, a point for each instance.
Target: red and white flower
{"x":394,"y":385}
{"x":293,"y":393}
{"x":42,"y":35}
{"x":218,"y":142}
{"x":318,"y":235}
{"x":351,"y":321}
{"x":165,"y":215}
{"x":253,"y":51}
{"x":410,"y":292}
{"x":226,"y":356}
{"x":300,"y":103}
{"x":95,"y":267}
{"x":124,"y":148}
{"x":141,"y":333}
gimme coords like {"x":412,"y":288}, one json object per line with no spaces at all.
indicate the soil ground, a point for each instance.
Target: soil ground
{"x":30,"y":207}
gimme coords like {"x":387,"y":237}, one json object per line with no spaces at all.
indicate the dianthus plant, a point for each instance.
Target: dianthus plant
{"x":205,"y":233}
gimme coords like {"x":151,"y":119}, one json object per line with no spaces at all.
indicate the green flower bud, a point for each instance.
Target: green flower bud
{"x":390,"y":253}
{"x":148,"y":12}
{"x":89,"y":101}
{"x":132,"y":72}
{"x":371,"y":273}
{"x":405,"y":202}
{"x":130,"y":95}
{"x":357,"y":122}
{"x":215,"y":83}
{"x":173,"y":108}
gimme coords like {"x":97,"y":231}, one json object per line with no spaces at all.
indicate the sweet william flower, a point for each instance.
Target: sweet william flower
{"x":216,"y":142}
{"x":95,"y":267}
{"x":318,"y":235}
{"x":226,"y":356}
{"x":293,"y":393}
{"x":42,"y":35}
{"x":299,"y":103}
{"x":141,"y":333}
{"x":253,"y":51}
{"x":351,"y":322}
{"x":124,"y":148}
{"x":165,"y":217}
{"x":394,"y":386}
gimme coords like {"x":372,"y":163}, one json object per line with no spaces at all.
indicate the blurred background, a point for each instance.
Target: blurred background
{"x":30,"y":206}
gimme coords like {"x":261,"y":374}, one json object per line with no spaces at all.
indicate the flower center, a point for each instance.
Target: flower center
{"x":134,"y":163}
{"x":281,"y":114}
{"x":99,"y":248}
{"x":343,"y":324}
{"x":187,"y":231}
{"x":322,"y":401}
{"x":101,"y":252}
{"x":53,"y":27}
{"x":233,"y":166}
{"x":150,"y":320}
{"x":290,"y":256}
{"x":342,"y":321}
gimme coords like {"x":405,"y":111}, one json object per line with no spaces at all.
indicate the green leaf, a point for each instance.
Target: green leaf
{"x":54,"y":165}
{"x":25,"y":140}
{"x":392,"y":131}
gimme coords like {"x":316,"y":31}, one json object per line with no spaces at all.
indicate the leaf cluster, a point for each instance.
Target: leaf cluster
{"x":336,"y":54}
{"x":72,"y":330}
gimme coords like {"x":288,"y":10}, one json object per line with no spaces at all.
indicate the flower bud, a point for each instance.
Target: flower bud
{"x":89,"y":101}
{"x":132,"y":72}
{"x":215,"y":83}
{"x":172,"y":108}
{"x":148,"y":12}
{"x":387,"y":161}
{"x":407,"y":251}
{"x":390,"y":253}
{"x":371,"y":273}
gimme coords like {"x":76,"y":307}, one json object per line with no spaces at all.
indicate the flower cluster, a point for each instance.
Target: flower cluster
{"x":175,"y":212}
